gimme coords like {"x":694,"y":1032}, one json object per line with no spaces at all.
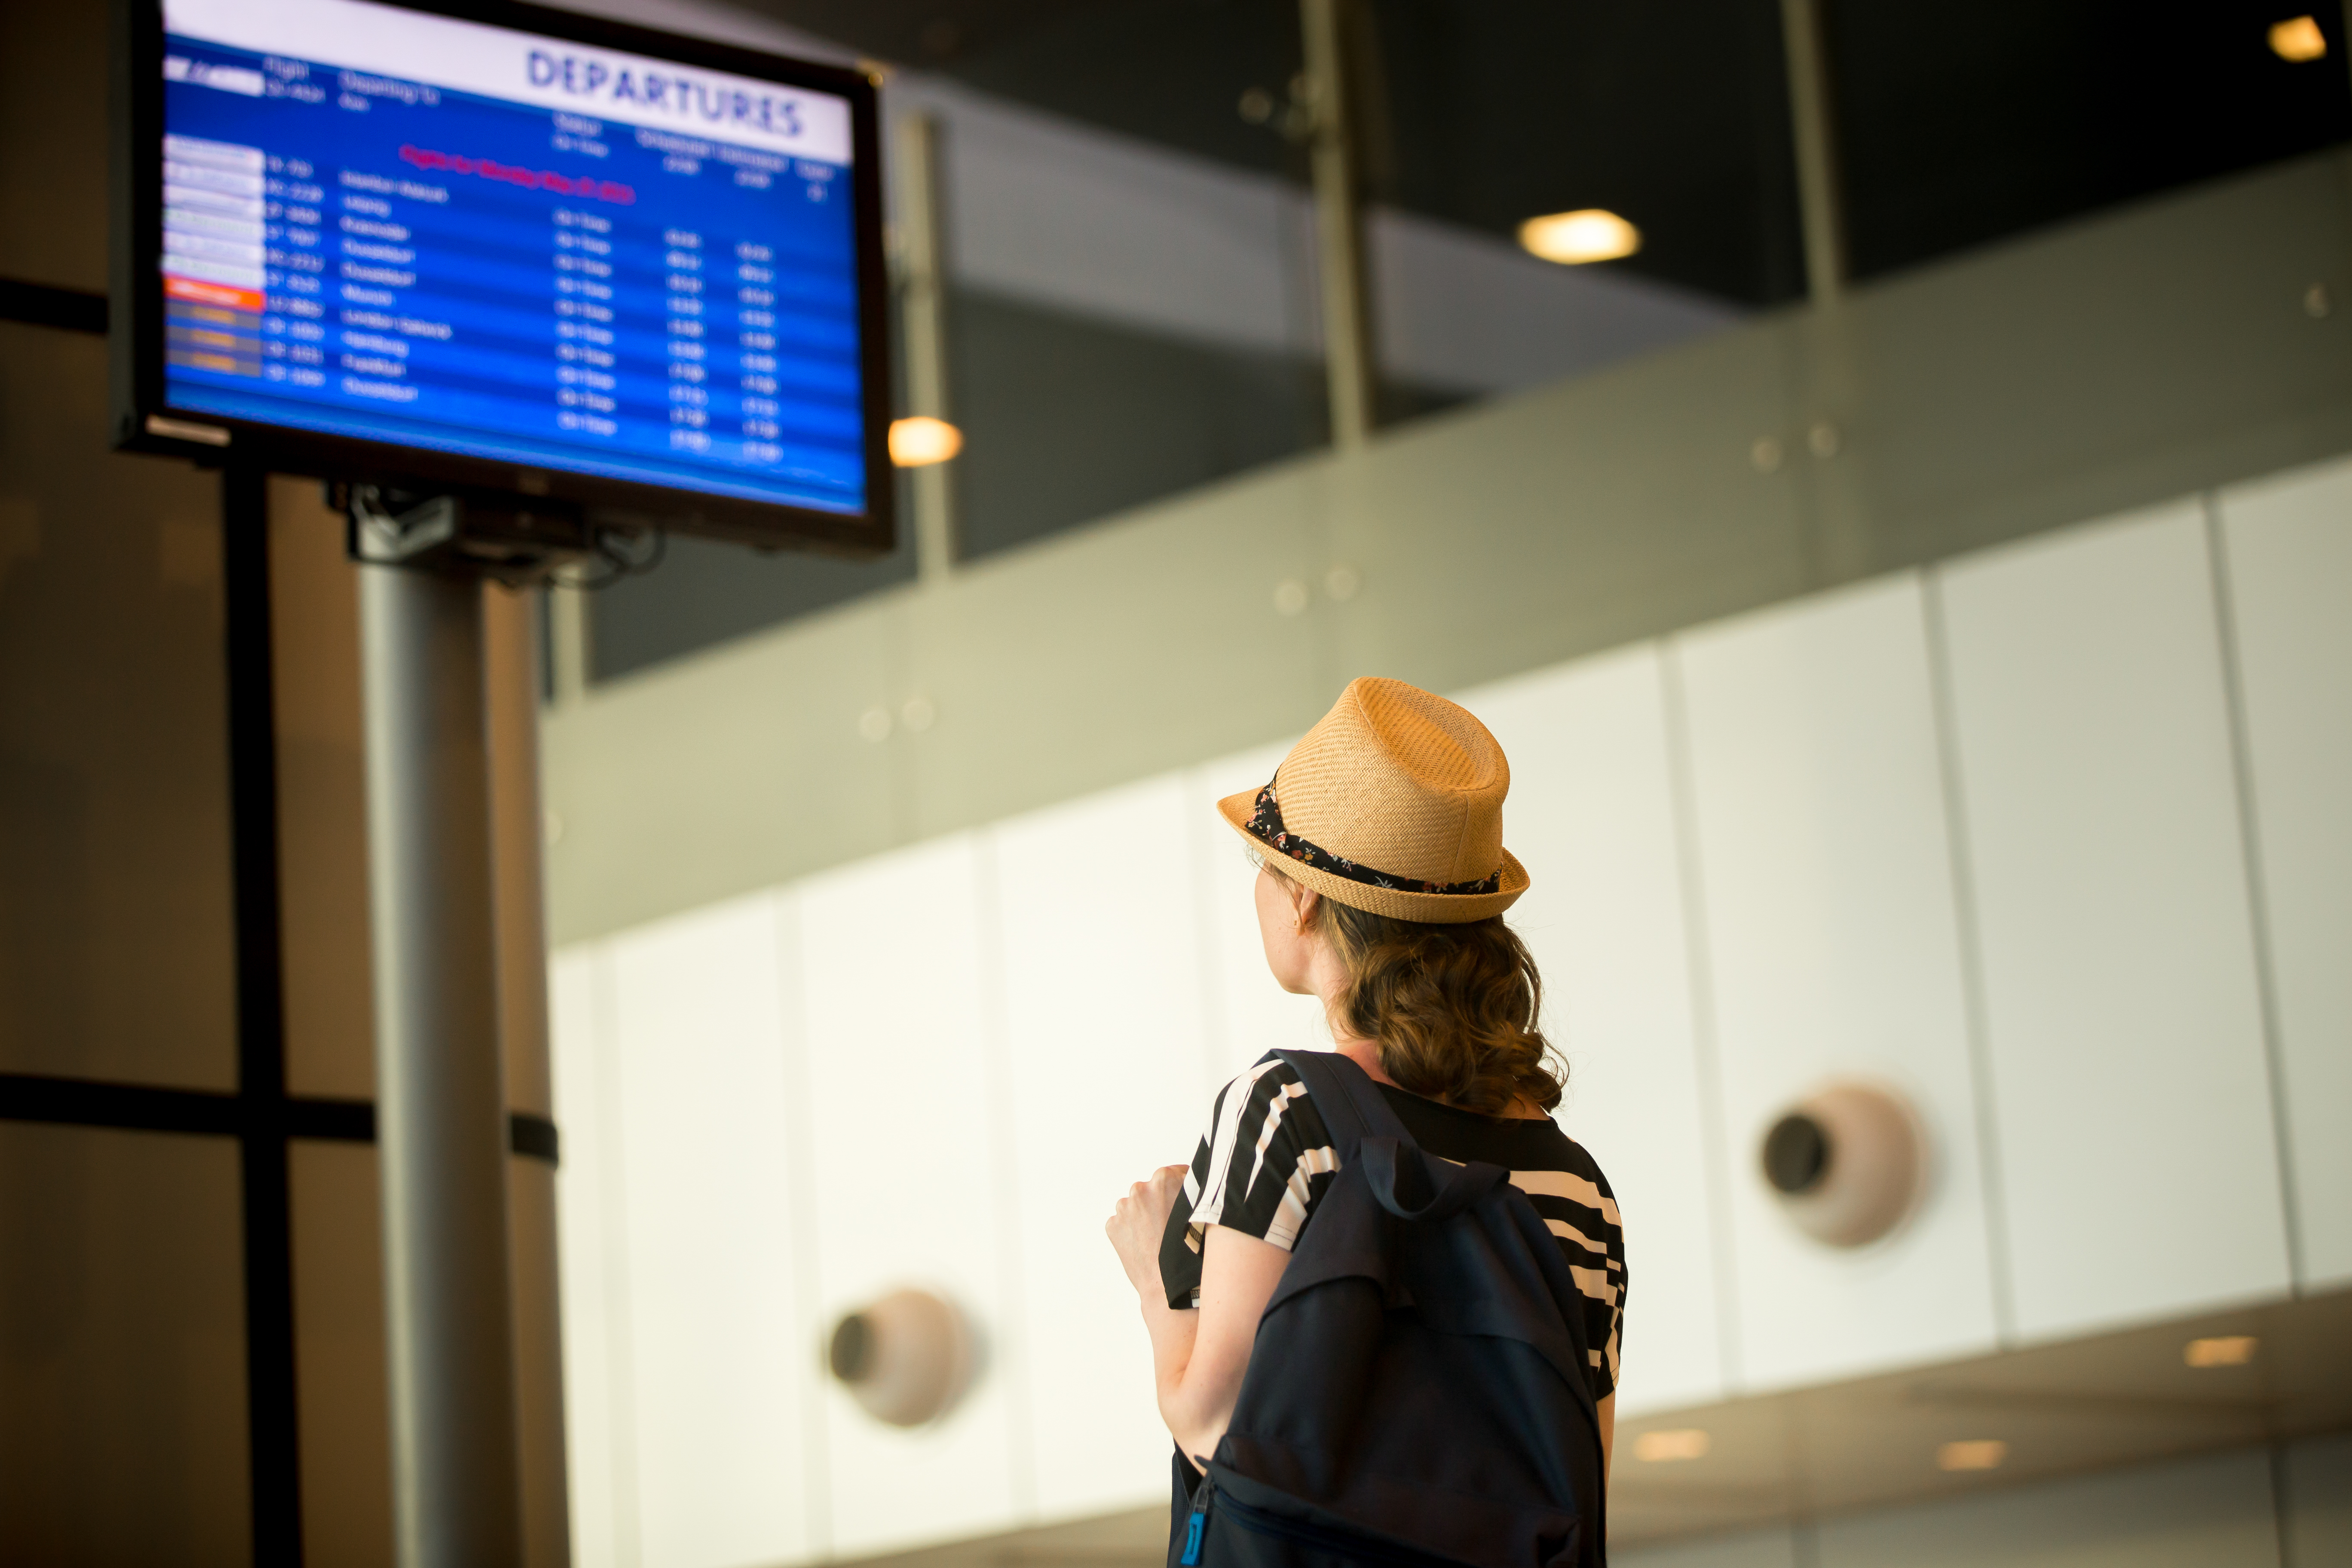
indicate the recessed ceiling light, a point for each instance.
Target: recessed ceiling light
{"x":2298,"y":39}
{"x":2222,"y":1350}
{"x":921,"y":440}
{"x":1974,"y":1453}
{"x":1677,"y":1443}
{"x":1590,"y":234}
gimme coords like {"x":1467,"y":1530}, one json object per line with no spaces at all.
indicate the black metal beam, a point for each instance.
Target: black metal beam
{"x":45,"y":305}
{"x":273,"y":1413}
{"x":29,"y":1097}
{"x":143,"y":1107}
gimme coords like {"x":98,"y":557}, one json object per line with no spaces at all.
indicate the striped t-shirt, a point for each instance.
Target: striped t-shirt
{"x":1267,"y":1159}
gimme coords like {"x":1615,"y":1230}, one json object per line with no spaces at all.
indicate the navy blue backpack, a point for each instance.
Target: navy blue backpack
{"x":1416,"y":1393}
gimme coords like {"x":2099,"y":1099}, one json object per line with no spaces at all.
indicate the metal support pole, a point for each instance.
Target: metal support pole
{"x":923,"y":333}
{"x":1832,"y":387}
{"x":1338,"y":224}
{"x":1819,"y":202}
{"x":2347,"y":34}
{"x":567,"y":638}
{"x":441,"y":1118}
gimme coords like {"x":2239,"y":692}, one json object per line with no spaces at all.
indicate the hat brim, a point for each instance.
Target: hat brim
{"x":1431,"y":908}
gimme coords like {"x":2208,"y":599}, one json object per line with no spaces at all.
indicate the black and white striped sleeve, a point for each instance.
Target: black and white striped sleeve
{"x":1580,"y":1212}
{"x":1261,"y":1168}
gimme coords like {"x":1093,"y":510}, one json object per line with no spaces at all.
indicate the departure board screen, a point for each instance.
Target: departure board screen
{"x":404,"y":227}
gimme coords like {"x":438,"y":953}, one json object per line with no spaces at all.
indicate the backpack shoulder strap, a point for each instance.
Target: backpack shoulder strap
{"x":1352,"y":1104}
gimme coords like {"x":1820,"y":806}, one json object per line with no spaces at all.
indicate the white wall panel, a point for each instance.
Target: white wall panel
{"x":1246,"y":1014}
{"x":1101,"y":996}
{"x":1833,"y":950}
{"x":2289,"y":548}
{"x":1591,"y":815}
{"x":909,"y":1186}
{"x":2139,"y":1170}
{"x":722,"y":1354}
{"x":591,"y":1255}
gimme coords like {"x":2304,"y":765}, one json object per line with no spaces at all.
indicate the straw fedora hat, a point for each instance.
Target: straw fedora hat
{"x":1394,"y":805}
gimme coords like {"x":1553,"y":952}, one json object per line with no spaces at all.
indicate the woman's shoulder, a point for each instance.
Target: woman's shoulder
{"x":1572,"y":1155}
{"x":1259,"y":1084}
{"x":1268,"y":1088}
{"x":1570,"y":1173}
{"x":1269,"y":1066}
{"x":1545,"y":1162}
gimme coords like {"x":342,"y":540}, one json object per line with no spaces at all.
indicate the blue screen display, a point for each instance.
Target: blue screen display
{"x":369,"y":249}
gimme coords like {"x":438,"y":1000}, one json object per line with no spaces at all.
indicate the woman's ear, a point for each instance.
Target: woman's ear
{"x":1303,"y":903}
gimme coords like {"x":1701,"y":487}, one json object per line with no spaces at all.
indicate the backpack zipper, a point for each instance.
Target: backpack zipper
{"x":1198,"y":1522}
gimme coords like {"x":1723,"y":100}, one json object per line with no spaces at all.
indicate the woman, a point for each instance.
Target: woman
{"x":1381,"y":882}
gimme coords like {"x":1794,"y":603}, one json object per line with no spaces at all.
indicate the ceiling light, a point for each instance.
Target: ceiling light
{"x":2222,"y":1350}
{"x":922,"y":440}
{"x":2298,"y":40}
{"x":1974,"y":1453}
{"x":1574,"y":238}
{"x":1677,"y":1443}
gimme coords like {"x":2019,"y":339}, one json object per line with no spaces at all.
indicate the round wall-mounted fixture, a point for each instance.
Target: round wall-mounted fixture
{"x":906,"y":1358}
{"x":1848,"y":1164}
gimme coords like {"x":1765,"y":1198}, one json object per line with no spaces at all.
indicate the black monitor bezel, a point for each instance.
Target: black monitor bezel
{"x":137,"y":302}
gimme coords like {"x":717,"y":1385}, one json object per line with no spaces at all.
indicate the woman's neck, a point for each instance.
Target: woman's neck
{"x":1329,"y":982}
{"x":1366,"y":1054}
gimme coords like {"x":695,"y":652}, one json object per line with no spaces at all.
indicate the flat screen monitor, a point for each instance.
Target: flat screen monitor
{"x":505,"y":247}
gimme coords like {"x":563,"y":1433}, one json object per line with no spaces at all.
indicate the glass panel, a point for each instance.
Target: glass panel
{"x":340,"y":1356}
{"x":1068,"y":418}
{"x":1961,"y":124}
{"x":1131,"y":267}
{"x":115,"y":955}
{"x":1167,"y":72}
{"x":539,"y":1364}
{"x":704,"y":593}
{"x":340,"y":1370}
{"x":1130,"y":291}
{"x":53,"y":146}
{"x":122,"y":1350}
{"x":1479,"y":117}
{"x":321,"y":798}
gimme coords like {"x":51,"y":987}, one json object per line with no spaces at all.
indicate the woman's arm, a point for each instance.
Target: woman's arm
{"x":1197,"y":1357}
{"x":1238,"y":1273}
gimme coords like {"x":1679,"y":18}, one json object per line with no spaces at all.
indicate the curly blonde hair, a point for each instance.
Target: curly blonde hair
{"x":1454,"y":1009}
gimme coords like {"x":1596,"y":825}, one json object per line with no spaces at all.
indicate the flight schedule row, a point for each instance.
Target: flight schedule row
{"x":610,"y":331}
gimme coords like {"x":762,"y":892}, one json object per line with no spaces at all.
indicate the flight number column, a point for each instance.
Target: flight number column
{"x":295,"y":327}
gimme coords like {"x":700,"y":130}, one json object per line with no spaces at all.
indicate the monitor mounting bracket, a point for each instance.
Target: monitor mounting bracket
{"x":512,"y":539}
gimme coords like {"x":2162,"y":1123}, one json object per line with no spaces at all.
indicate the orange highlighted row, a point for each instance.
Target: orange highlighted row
{"x":214,"y":294}
{"x":225,"y":363}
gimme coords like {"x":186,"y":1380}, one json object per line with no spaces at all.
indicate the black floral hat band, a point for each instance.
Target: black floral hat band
{"x":1265,"y":825}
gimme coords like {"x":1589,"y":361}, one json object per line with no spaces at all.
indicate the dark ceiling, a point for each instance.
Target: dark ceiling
{"x":1960,"y":124}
